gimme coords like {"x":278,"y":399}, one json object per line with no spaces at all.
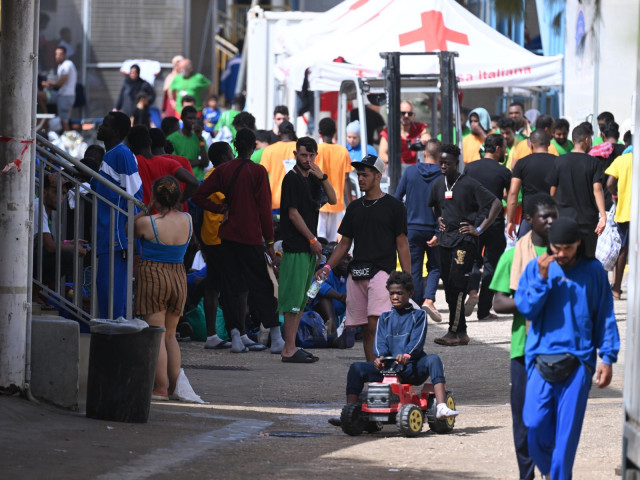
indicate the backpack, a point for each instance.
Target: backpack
{"x":312,"y":332}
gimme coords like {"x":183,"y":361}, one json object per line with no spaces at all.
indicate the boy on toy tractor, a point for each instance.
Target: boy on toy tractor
{"x":400,"y":336}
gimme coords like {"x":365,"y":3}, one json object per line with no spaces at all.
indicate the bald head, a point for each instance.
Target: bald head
{"x":539,"y":139}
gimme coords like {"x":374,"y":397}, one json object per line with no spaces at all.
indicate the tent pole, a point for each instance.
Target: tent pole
{"x":392,"y":87}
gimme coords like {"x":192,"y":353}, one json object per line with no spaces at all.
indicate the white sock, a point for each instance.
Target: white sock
{"x":236,"y":341}
{"x":277,"y":343}
{"x":214,"y":340}
{"x":246,"y":340}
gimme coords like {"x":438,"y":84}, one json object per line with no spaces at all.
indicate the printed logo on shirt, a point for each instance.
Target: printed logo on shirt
{"x":289,"y":163}
{"x":460,"y":254}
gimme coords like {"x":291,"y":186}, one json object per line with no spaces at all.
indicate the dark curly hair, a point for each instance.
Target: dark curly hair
{"x":401,"y":278}
{"x":450,"y":150}
{"x":166,"y":191}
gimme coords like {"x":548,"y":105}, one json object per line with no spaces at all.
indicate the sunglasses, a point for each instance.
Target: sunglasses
{"x":410,"y":114}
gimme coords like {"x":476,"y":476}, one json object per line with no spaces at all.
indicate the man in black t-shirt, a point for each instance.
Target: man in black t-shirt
{"x":576,"y":184}
{"x":299,"y":205}
{"x":457,"y":199}
{"x":496,"y":178}
{"x":529,"y":174}
{"x":377,"y":225}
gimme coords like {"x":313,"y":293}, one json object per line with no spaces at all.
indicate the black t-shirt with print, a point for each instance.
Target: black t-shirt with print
{"x":469,"y":198}
{"x":374,"y":225}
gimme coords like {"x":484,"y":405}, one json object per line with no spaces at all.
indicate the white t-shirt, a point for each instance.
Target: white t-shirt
{"x":68,"y":68}
{"x":36,"y":218}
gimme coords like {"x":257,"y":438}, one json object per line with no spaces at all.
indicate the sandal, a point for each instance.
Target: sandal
{"x":300,"y":357}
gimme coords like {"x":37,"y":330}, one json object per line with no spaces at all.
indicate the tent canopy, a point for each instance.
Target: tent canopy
{"x":358,"y":30}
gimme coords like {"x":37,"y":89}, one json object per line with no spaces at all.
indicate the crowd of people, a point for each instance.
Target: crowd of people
{"x":215,"y":184}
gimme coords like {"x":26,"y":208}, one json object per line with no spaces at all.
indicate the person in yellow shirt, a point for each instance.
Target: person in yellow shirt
{"x":524,"y":148}
{"x":473,"y":144}
{"x":278,"y":159}
{"x":619,"y":184}
{"x":335,"y":162}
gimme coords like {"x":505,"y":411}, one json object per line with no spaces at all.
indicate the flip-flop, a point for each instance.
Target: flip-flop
{"x":433,"y":313}
{"x":299,"y":357}
{"x":255,"y":347}
{"x":470,"y":304}
{"x":159,"y":398}
{"x":491,"y":316}
{"x":244,"y":350}
{"x":221,"y":346}
{"x":308,"y":354}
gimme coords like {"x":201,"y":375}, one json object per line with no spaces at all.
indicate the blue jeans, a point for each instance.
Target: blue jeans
{"x":554,"y":413}
{"x":415,"y":372}
{"x":418,"y":246}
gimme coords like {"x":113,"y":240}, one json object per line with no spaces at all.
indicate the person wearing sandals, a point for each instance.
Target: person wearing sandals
{"x":164,"y":238}
{"x":300,"y":204}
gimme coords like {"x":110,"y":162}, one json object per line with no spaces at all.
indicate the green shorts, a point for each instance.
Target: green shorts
{"x":296,"y":275}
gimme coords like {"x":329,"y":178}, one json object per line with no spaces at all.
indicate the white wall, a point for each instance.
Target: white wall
{"x":601,"y":76}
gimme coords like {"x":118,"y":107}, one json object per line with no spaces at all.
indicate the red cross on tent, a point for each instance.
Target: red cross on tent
{"x":433,"y":33}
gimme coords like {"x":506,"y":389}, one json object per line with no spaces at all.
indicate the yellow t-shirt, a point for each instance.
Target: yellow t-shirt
{"x":471,"y":145}
{"x":621,"y":168}
{"x":334,"y":160}
{"x":278,"y":159}
{"x":211,"y":221}
{"x":523,"y":149}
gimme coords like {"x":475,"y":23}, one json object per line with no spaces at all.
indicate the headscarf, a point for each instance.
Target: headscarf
{"x":354,"y":127}
{"x":564,"y":231}
{"x":483,"y":117}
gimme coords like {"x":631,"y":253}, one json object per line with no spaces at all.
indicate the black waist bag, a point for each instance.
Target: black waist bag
{"x":558,"y":367}
{"x":362,"y":270}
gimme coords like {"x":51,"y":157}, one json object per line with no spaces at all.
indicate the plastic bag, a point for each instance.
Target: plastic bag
{"x":118,"y":326}
{"x":609,"y":243}
{"x":184,"y":392}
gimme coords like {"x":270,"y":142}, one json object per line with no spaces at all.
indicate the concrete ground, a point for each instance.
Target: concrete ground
{"x":268,"y":419}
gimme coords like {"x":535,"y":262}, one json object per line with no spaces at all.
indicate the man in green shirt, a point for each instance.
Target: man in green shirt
{"x":188,"y":83}
{"x":540,"y":212}
{"x":560,"y":138}
{"x":189,"y":143}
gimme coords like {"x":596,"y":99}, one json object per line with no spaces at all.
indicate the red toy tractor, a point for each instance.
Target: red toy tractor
{"x":390,"y":401}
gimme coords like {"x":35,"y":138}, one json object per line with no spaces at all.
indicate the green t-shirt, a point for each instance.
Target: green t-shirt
{"x":568,"y":147}
{"x":195,"y":85}
{"x":500,"y":283}
{"x":188,"y":147}
{"x":257,"y":155}
{"x":226,"y":120}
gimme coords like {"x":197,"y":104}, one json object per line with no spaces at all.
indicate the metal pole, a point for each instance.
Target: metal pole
{"x":392,"y":87}
{"x":16,"y":90}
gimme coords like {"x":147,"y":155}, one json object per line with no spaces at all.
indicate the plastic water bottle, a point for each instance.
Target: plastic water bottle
{"x":314,"y":289}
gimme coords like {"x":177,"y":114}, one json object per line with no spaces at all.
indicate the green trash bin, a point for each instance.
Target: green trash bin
{"x":121,"y":375}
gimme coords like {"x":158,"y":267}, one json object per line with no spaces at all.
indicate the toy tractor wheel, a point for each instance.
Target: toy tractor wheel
{"x":373,"y":427}
{"x":351,"y":419}
{"x":409,"y":420}
{"x":444,"y":425}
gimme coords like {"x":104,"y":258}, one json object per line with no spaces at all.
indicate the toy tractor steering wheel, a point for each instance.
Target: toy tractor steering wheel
{"x":389,"y":366}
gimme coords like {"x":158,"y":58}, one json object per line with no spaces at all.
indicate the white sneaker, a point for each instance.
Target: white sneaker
{"x":442,"y":411}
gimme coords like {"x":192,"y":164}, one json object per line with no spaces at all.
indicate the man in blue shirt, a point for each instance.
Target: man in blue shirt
{"x":120,"y":167}
{"x":567,"y":298}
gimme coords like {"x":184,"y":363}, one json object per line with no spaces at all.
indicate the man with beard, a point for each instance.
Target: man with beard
{"x":540,"y":212}
{"x":299,"y":208}
{"x":131,"y":87}
{"x":457,"y":199}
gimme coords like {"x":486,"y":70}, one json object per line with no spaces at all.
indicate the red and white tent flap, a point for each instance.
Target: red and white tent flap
{"x":358,"y":30}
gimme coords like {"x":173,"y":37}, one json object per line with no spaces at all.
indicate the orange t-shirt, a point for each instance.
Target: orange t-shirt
{"x":471,"y":145}
{"x":334,"y":160}
{"x":278,"y":159}
{"x":522,"y":150}
{"x":211,"y":221}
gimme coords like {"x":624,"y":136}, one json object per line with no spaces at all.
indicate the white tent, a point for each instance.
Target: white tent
{"x":358,"y":30}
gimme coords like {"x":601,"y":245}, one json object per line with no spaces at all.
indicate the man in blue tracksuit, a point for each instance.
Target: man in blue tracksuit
{"x":401,"y":333}
{"x":422,"y":226}
{"x":567,"y":299}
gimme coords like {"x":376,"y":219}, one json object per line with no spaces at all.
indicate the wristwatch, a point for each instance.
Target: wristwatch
{"x":324,"y":177}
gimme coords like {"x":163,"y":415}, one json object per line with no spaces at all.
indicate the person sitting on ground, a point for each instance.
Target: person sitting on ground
{"x":401,"y":334}
{"x":165,"y":237}
{"x":331,"y":300}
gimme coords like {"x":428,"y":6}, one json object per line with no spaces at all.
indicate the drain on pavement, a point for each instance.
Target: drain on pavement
{"x":214,"y":367}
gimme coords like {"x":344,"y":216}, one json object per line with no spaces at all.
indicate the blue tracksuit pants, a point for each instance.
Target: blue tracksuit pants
{"x":414,"y":373}
{"x":554,"y":412}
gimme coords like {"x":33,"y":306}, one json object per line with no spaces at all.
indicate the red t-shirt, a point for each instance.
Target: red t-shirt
{"x":186,"y":164}
{"x":408,"y":156}
{"x":151,"y":169}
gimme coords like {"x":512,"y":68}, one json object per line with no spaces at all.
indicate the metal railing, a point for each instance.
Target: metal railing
{"x":77,"y":296}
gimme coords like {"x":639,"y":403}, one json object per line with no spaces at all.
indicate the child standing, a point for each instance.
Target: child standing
{"x":401,"y":334}
{"x":211,"y":114}
{"x":141,"y":113}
